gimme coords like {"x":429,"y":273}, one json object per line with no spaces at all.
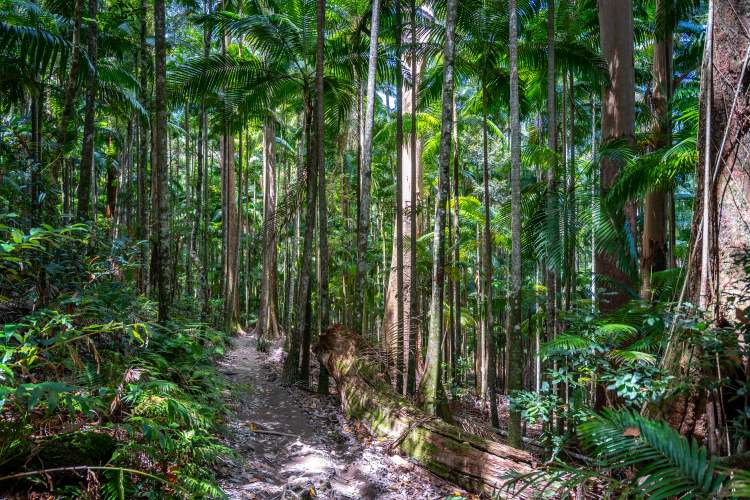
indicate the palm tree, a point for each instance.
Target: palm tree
{"x":87,"y":155}
{"x":323,"y":305}
{"x":162,"y":244}
{"x":430,"y":380}
{"x":515,"y":363}
{"x":363,"y":222}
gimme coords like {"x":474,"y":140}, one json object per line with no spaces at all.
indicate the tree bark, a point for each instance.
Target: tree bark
{"x":143,"y":154}
{"x":267,"y":314}
{"x":654,"y":246}
{"x":618,"y":124}
{"x":86,"y":177}
{"x":363,"y":223}
{"x":430,"y":382}
{"x":488,"y":324}
{"x":513,"y":344}
{"x":457,"y":456}
{"x":323,"y":300}
{"x":300,"y":340}
{"x":552,"y":216}
{"x":67,"y":110}
{"x":163,"y":242}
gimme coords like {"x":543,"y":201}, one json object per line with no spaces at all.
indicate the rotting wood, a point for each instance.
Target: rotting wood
{"x":476,"y":464}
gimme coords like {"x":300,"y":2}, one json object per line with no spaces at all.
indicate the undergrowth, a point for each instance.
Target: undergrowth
{"x":96,"y":398}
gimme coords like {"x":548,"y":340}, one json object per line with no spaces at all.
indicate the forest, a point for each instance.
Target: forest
{"x":374,"y":249}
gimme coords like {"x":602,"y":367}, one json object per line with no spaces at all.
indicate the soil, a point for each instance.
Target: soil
{"x":291,"y":442}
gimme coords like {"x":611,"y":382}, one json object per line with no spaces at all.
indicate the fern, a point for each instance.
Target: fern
{"x":634,"y":456}
{"x":666,"y":463}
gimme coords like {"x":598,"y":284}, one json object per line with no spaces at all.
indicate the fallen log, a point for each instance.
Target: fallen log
{"x":475,"y":464}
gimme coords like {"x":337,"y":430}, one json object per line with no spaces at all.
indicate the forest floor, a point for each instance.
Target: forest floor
{"x":293,"y":443}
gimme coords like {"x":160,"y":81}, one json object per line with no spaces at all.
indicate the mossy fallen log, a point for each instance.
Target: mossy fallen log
{"x":473,"y":463}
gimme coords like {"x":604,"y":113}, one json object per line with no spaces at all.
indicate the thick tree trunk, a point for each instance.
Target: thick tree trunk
{"x":86,"y":177}
{"x":445,"y":450}
{"x":163,"y":242}
{"x":430,"y":382}
{"x":717,"y":277}
{"x":618,"y":124}
{"x":654,"y":246}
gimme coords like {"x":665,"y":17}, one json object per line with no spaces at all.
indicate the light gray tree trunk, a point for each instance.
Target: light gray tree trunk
{"x":430,"y":380}
{"x":363,"y":225}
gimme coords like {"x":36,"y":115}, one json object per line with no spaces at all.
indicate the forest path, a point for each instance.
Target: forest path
{"x":293,"y":443}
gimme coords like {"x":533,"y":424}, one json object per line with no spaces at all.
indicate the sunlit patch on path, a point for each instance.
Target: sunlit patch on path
{"x":292,"y":443}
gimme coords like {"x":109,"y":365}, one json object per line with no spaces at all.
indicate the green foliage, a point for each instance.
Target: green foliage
{"x":94,"y":358}
{"x":633,"y":456}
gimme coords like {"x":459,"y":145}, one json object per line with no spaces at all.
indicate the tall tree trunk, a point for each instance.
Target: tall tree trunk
{"x":267,"y":314}
{"x":395,"y":310}
{"x":618,"y":124}
{"x":430,"y":381}
{"x":71,"y":86}
{"x":399,"y":351}
{"x":716,"y":276}
{"x":489,"y":325}
{"x":299,"y":341}
{"x":363,"y":223}
{"x":570,"y":244}
{"x":552,"y":216}
{"x":654,"y":249}
{"x":513,"y":343}
{"x":323,"y":301}
{"x":457,"y":278}
{"x":229,"y":222}
{"x":413,"y":321}
{"x":206,"y":211}
{"x":188,"y":204}
{"x":143,"y":153}
{"x":86,"y":177}
{"x":162,"y":238}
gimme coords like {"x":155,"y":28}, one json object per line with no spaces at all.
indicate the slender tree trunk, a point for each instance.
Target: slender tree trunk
{"x":430,"y":381}
{"x":457,"y":278}
{"x":489,"y":325}
{"x":570,"y":244}
{"x":267,"y":314}
{"x":323,"y":301}
{"x":229,"y":223}
{"x":300,"y":340}
{"x":363,"y":223}
{"x":86,"y":177}
{"x":411,"y":352}
{"x":552,"y":216}
{"x":71,"y":86}
{"x":162,"y":237}
{"x":143,"y":153}
{"x":618,"y":123}
{"x":513,"y":344}
{"x":205,"y":212}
